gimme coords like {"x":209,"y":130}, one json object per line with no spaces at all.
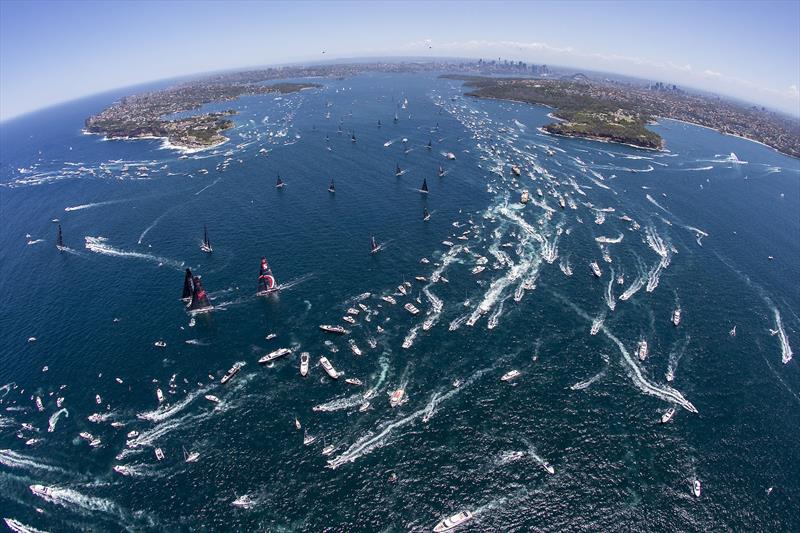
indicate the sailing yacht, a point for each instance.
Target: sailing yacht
{"x":430,"y":145}
{"x":60,"y":241}
{"x":279,"y":184}
{"x":332,"y":187}
{"x":190,"y":457}
{"x":379,"y":123}
{"x":441,"y":171}
{"x":398,"y":171}
{"x":266,"y":281}
{"x":395,"y":118}
{"x":353,"y":137}
{"x":280,"y":352}
{"x":200,"y":302}
{"x":206,"y":246}
{"x":424,"y":188}
{"x":186,"y":295}
{"x":374,"y":248}
{"x":426,"y":215}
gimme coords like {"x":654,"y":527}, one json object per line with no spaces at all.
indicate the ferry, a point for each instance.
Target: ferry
{"x":596,"y":269}
{"x":667,"y":416}
{"x":232,"y":372}
{"x":389,"y":300}
{"x":328,"y":367}
{"x":354,"y":381}
{"x":206,"y":245}
{"x":508,"y":376}
{"x":266,"y":281}
{"x":676,"y":317}
{"x":338,"y":330}
{"x":271,"y":356}
{"x":525,"y":198}
{"x":304,"y":358}
{"x":641,"y":350}
{"x":411,"y":308}
{"x":159,"y":454}
{"x":452,"y":522}
{"x":397,"y":397}
{"x":212,"y":398}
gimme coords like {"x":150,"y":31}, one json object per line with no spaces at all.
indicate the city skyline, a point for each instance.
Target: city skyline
{"x":743,"y":50}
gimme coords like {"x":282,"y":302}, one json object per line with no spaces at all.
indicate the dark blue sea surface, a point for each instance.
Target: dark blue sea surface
{"x":710,"y":227}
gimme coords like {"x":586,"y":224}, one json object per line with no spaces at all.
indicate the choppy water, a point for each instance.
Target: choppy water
{"x":697,"y":232}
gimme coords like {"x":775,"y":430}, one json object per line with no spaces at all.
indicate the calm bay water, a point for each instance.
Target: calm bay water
{"x":697,"y":231}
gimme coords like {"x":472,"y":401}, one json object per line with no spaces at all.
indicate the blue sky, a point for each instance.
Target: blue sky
{"x":52,"y":52}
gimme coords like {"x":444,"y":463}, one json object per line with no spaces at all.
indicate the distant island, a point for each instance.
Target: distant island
{"x":619,"y":112}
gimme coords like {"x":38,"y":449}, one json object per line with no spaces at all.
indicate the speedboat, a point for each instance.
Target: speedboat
{"x":98,"y":399}
{"x":354,"y":381}
{"x":596,"y":269}
{"x":450,"y":155}
{"x":411,"y":308}
{"x":41,"y":490}
{"x":478,"y":269}
{"x":243,"y":501}
{"x":696,"y":488}
{"x":271,"y":356}
{"x":676,"y":317}
{"x":159,"y":454}
{"x":732,"y":332}
{"x":232,"y":372}
{"x":641,"y":350}
{"x":212,"y":398}
{"x":355,"y":349}
{"x":421,"y":279}
{"x":670,"y":375}
{"x":349,"y":319}
{"x":389,"y":300}
{"x":667,"y":416}
{"x":160,"y":344}
{"x":39,"y":404}
{"x":353,"y":311}
{"x":304,"y":357}
{"x":363,"y":407}
{"x":550,"y":470}
{"x":297,"y":424}
{"x":339,"y":330}
{"x":122,"y":469}
{"x":132,"y":434}
{"x":512,"y":374}
{"x":452,"y":522}
{"x":397,"y":397}
{"x":159,"y":395}
{"x":328,"y":367}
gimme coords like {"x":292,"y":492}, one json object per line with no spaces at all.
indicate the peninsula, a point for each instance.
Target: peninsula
{"x":619,"y":112}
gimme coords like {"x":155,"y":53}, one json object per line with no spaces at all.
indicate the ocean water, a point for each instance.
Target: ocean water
{"x":691,"y":228}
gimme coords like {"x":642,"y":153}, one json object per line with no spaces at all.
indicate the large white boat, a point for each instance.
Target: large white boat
{"x":452,"y":522}
{"x":397,"y":397}
{"x":389,"y":300}
{"x":338,"y":330}
{"x":232,"y":372}
{"x":508,"y":376}
{"x":212,"y":398}
{"x":596,"y":269}
{"x":676,"y":316}
{"x":304,"y":358}
{"x":328,"y":367}
{"x":271,"y":356}
{"x":411,"y":308}
{"x":641,"y":350}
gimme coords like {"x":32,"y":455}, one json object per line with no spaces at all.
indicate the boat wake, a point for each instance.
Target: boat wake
{"x":587,"y":383}
{"x":99,"y":245}
{"x":51,"y":424}
{"x":786,"y":350}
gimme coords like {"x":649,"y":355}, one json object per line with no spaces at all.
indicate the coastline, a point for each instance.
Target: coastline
{"x":600,"y":139}
{"x":166,"y":144}
{"x":729,"y":135}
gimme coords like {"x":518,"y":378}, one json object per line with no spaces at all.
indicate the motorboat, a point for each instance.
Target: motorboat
{"x":667,"y":416}
{"x":159,"y":395}
{"x":190,"y":457}
{"x":328,"y":367}
{"x":696,"y":488}
{"x":271,"y":356}
{"x":232,"y":372}
{"x":389,"y":300}
{"x":159,"y":454}
{"x":452,"y":522}
{"x":397,"y":397}
{"x":349,"y":319}
{"x":512,"y":374}
{"x":354,"y":381}
{"x":596,"y":269}
{"x":304,"y":358}
{"x":160,"y":344}
{"x":676,"y":317}
{"x":641,"y":350}
{"x":338,"y":330}
{"x":212,"y":398}
{"x":354,"y":348}
{"x":411,"y":308}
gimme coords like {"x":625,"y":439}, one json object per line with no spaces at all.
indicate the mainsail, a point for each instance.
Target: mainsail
{"x":425,"y":214}
{"x":424,"y":187}
{"x":398,"y":171}
{"x":266,"y":281}
{"x":373,"y":245}
{"x":280,"y":182}
{"x":199,"y":297}
{"x":332,"y":187}
{"x":59,"y":239}
{"x":187,"y":286}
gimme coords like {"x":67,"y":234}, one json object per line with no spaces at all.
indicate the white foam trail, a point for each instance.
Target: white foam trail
{"x":658,"y":205}
{"x":209,"y":185}
{"x":164,"y":412}
{"x":13,"y":459}
{"x":610,"y":240}
{"x":458,"y":322}
{"x":675,"y":357}
{"x":18,"y":527}
{"x":340,"y":403}
{"x":71,"y":498}
{"x":95,"y":204}
{"x":371,"y":441}
{"x":51,"y":425}
{"x":634,"y":287}
{"x":36,"y":241}
{"x":411,"y":336}
{"x":664,"y":392}
{"x":654,"y":276}
{"x":610,"y":301}
{"x":494,"y":319}
{"x":786,"y":350}
{"x":98,"y":245}
{"x":155,"y":223}
{"x":587,"y":383}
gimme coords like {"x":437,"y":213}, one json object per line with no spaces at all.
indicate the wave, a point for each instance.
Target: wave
{"x":674,"y":358}
{"x":51,"y":424}
{"x":587,"y":383}
{"x":73,"y":499}
{"x":18,"y":527}
{"x":209,"y":185}
{"x":98,"y":245}
{"x":339,"y":404}
{"x":163,"y":412}
{"x":12,"y":459}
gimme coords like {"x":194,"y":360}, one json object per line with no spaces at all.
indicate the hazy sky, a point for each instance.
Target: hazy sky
{"x":56,"y":51}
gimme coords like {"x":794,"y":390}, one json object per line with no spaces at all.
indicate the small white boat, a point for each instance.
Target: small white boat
{"x":243,"y":501}
{"x":308,"y":439}
{"x":450,"y":155}
{"x":133,"y":434}
{"x":452,"y":522}
{"x":41,"y":491}
{"x":355,"y":349}
{"x":548,"y":468}
{"x":397,"y":397}
{"x":98,"y":399}
{"x":512,"y":374}
{"x":280,"y":352}
{"x":525,"y":197}
{"x":353,"y":311}
{"x":478,"y":269}
{"x":696,"y":488}
{"x":159,"y":454}
{"x":676,"y":317}
{"x":297,"y":424}
{"x":389,"y":300}
{"x":39,"y":404}
{"x":122,"y":469}
{"x":271,"y":336}
{"x":304,"y":359}
{"x":338,"y":330}
{"x":160,"y":344}
{"x":328,"y":367}
{"x":349,"y":319}
{"x":354,"y":381}
{"x":190,"y":457}
{"x":732,"y":332}
{"x":363,"y":407}
{"x":159,"y":395}
{"x":641,"y":350}
{"x":232,"y":372}
{"x":411,"y":308}
{"x":212,"y":398}
{"x":327,"y":450}
{"x":667,"y":416}
{"x":596,"y":269}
